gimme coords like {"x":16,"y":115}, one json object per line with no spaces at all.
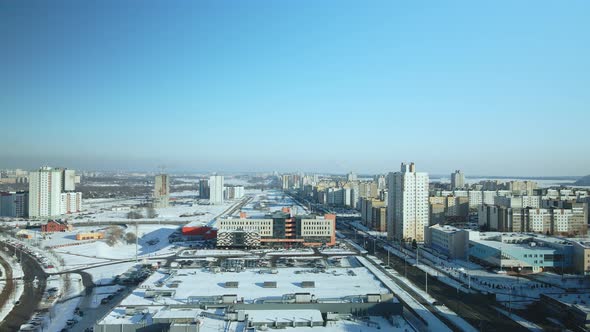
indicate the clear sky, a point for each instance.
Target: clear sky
{"x":490,"y":87}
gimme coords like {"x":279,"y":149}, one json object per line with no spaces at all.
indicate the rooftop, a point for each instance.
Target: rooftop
{"x":332,"y":283}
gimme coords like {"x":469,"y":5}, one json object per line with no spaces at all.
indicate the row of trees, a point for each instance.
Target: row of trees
{"x":116,"y":234}
{"x":148,"y":213}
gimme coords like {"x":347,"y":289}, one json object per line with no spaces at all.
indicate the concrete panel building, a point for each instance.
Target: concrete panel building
{"x":45,"y":187}
{"x":457,"y":180}
{"x":216,"y":189}
{"x":161,"y":191}
{"x":14,"y":204}
{"x":408,"y":207}
{"x":447,"y":240}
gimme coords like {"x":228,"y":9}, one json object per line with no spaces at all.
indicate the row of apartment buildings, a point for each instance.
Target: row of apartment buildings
{"x":535,"y":214}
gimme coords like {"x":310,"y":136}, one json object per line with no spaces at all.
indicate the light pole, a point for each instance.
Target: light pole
{"x":426,"y":280}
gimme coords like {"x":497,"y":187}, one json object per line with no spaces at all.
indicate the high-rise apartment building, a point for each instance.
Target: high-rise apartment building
{"x":351,"y":176}
{"x":161,"y":191}
{"x":408,"y":204}
{"x":14,"y":204}
{"x":204,"y":189}
{"x":68,"y":180}
{"x":216,"y":189}
{"x":457,"y":180}
{"x":45,"y":187}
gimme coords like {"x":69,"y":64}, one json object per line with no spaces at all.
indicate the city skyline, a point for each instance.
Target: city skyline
{"x":491,"y":89}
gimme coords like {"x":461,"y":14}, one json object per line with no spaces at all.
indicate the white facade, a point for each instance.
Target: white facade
{"x":45,"y":187}
{"x":216,"y":189}
{"x":69,"y":180}
{"x":457,"y":180}
{"x":70,"y":202}
{"x":408,"y":208}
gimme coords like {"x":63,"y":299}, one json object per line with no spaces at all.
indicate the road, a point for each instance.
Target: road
{"x":29,"y":301}
{"x":5,"y":296}
{"x":477,"y":309}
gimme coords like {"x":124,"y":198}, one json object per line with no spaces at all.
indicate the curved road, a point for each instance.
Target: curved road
{"x":31,"y":297}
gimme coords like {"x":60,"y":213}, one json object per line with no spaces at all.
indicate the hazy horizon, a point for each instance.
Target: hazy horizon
{"x":489,"y":88}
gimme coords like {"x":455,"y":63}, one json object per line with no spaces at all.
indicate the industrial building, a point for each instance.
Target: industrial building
{"x":522,"y":252}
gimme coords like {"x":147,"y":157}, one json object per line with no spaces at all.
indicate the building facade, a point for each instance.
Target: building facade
{"x":279,"y":228}
{"x":161,"y":191}
{"x":408,"y":204}
{"x":447,"y":240}
{"x":216,"y":189}
{"x":45,"y":187}
{"x":14,"y":204}
{"x":457,"y":180}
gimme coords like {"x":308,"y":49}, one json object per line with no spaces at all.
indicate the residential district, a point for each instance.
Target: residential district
{"x":123,"y":251}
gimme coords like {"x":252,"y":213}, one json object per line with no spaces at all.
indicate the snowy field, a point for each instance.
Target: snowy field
{"x":90,"y":253}
{"x":183,"y":205}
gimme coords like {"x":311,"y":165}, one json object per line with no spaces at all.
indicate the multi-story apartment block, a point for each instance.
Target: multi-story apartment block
{"x":408,"y":204}
{"x":216,"y":189}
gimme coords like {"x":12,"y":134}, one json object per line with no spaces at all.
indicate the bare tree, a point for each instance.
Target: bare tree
{"x":134,"y":215}
{"x":151,"y":213}
{"x":114,"y":234}
{"x":130,"y":237}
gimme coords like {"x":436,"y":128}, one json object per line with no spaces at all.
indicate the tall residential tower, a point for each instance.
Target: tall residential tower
{"x":45,"y":188}
{"x":457,"y":180}
{"x":407,"y":209}
{"x":161,"y":191}
{"x":216,"y":189}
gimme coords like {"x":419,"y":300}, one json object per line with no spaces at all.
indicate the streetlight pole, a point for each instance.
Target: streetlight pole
{"x":426,"y":280}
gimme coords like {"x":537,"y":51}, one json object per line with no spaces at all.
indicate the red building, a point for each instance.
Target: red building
{"x":53,"y":226}
{"x":205,"y":232}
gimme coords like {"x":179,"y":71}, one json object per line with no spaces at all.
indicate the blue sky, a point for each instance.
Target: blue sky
{"x":493,"y":88}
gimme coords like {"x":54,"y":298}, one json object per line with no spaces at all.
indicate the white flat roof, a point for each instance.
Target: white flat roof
{"x":336,"y":282}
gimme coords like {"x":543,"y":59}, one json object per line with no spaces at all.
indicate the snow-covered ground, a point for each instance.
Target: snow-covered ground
{"x":64,"y":308}
{"x":93,"y":253}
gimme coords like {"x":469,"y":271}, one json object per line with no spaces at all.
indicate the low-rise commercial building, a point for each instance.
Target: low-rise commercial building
{"x":56,"y":226}
{"x":447,"y":240}
{"x":521,"y":252}
{"x":278,"y":228}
